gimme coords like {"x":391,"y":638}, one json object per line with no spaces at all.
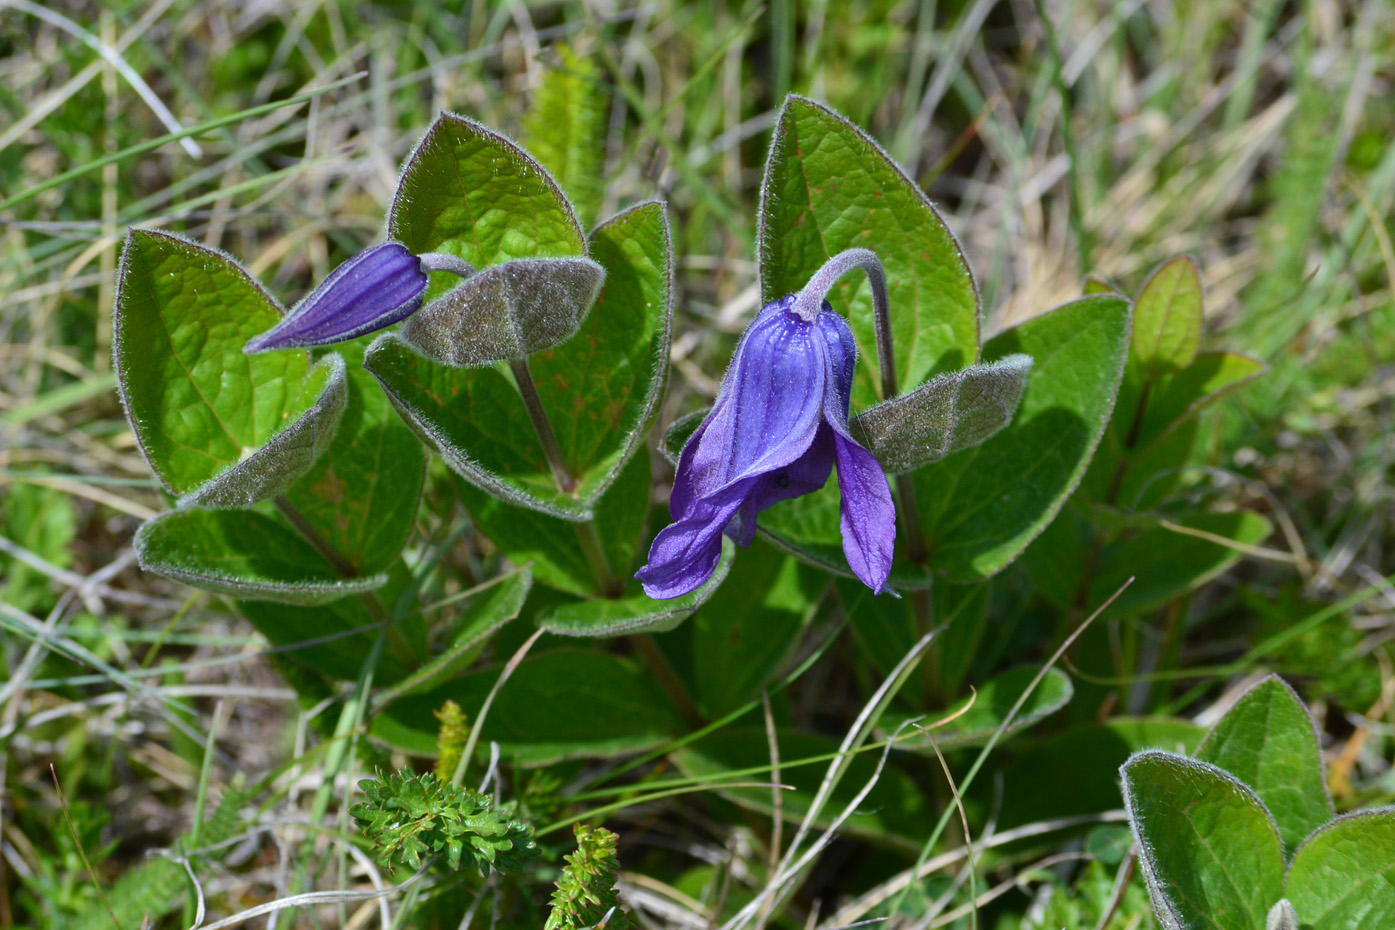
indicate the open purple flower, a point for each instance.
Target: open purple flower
{"x":374,"y":289}
{"x":779,"y":424}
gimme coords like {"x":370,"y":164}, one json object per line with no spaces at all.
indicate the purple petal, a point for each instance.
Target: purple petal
{"x":767,"y":411}
{"x":685,"y":553}
{"x":867,"y":515}
{"x":804,"y":475}
{"x":374,"y":289}
{"x":842,"y":364}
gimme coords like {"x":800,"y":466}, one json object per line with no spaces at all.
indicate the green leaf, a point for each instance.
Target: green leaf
{"x":980,"y":508}
{"x":1210,"y":853}
{"x":1055,"y":560}
{"x":635,"y":612}
{"x":828,"y":187}
{"x":469,"y":191}
{"x":1167,"y":318}
{"x":362,"y":495}
{"x":600,"y":387}
{"x":1267,"y":740}
{"x":949,"y":412}
{"x":1180,"y":396}
{"x":245,"y":553}
{"x":566,"y":127}
{"x":505,"y":312}
{"x":1166,"y":562}
{"x":1148,"y":476}
{"x":564,"y":704}
{"x":550,"y":544}
{"x":1343,"y":877}
{"x":288,"y":454}
{"x":988,"y":708}
{"x":744,"y":633}
{"x":1076,"y":773}
{"x":894,"y":813}
{"x":197,"y":404}
{"x":499,"y":602}
{"x":963,"y":609}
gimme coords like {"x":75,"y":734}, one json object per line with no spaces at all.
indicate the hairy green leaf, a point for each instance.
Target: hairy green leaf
{"x":245,"y":553}
{"x":197,"y":404}
{"x":635,"y":612}
{"x":949,"y":412}
{"x":505,"y":312}
{"x":1209,"y":850}
{"x":600,"y":387}
{"x":1343,"y":877}
{"x":1167,"y":318}
{"x":1267,"y":740}
{"x":468,"y":191}
{"x":550,"y":544}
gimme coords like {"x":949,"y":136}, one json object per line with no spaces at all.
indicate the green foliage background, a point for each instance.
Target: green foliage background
{"x":1253,"y":136}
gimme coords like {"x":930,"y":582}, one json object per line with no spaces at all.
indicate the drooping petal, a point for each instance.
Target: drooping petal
{"x":867,"y":513}
{"x":867,"y":516}
{"x":374,"y":289}
{"x":804,"y":475}
{"x":685,"y":553}
{"x":767,"y":412}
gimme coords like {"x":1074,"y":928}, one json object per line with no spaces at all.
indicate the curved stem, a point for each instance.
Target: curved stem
{"x":809,"y":302}
{"x":444,"y":261}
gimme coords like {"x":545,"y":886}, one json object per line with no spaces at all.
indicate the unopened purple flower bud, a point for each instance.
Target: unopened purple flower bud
{"x":372,"y":290}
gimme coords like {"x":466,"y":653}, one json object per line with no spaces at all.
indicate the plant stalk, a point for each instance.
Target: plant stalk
{"x":552,"y":449}
{"x":668,"y":678}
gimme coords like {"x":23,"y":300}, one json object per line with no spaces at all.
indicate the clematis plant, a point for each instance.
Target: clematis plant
{"x":779,"y":424}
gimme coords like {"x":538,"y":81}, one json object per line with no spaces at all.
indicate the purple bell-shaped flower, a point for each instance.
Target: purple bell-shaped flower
{"x":779,"y":424}
{"x":372,"y":290}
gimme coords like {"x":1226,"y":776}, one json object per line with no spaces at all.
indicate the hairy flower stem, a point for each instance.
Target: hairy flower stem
{"x":586,"y":535}
{"x":807,"y":305}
